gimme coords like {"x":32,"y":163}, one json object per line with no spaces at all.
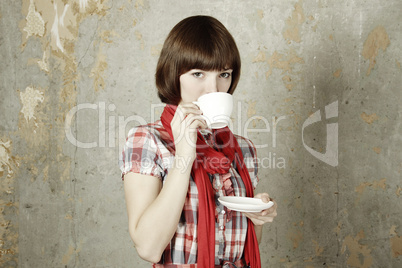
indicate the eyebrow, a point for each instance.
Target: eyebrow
{"x":202,"y":70}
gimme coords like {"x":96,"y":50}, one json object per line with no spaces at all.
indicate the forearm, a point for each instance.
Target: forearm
{"x":260,"y":218}
{"x":158,"y":223}
{"x":258,"y":232}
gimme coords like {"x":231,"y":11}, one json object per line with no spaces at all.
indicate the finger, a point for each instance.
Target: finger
{"x":182,"y":114}
{"x":268,"y":212}
{"x":256,"y":219}
{"x":248,"y":215}
{"x":195,"y":122}
{"x":251,"y":215}
{"x":271,"y":212}
{"x":189,"y":108}
{"x":270,"y":209}
{"x":259,"y":218}
{"x":263,"y":196}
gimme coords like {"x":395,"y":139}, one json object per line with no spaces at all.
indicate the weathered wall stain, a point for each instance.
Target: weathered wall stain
{"x":376,"y":40}
{"x":98,"y":71}
{"x":317,"y":248}
{"x":56,"y":25}
{"x":338,"y":228}
{"x":33,"y":121}
{"x":296,"y":236}
{"x":71,"y":253}
{"x":359,"y":255}
{"x":377,"y":150}
{"x":30,"y":98}
{"x":369,"y":118}
{"x":396,"y":246}
{"x":395,"y":243}
{"x":337,"y":73}
{"x":139,"y":38}
{"x":317,"y":189}
{"x":381,"y":184}
{"x":43,"y":63}
{"x":8,"y":205}
{"x":292,"y":29}
{"x":156,"y":50}
{"x":8,"y":163}
{"x":35,"y":24}
{"x":100,"y":67}
{"x":313,"y":27}
{"x":398,"y":191}
{"x":251,"y":111}
{"x":109,"y":36}
{"x":139,"y":5}
{"x":284,"y":62}
{"x":288,"y":60}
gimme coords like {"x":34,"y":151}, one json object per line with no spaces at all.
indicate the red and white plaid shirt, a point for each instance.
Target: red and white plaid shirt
{"x":145,"y":152}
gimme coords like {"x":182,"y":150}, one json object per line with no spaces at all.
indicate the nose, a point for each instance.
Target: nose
{"x":212,"y":85}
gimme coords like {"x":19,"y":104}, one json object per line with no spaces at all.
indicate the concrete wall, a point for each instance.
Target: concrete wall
{"x":84,"y":71}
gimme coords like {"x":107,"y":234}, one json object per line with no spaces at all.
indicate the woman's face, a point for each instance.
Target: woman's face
{"x":195,"y":83}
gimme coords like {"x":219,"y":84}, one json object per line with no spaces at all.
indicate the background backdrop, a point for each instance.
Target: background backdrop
{"x":77,"y":75}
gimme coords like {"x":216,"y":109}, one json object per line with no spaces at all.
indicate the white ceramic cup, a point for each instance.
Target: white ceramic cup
{"x":216,"y":108}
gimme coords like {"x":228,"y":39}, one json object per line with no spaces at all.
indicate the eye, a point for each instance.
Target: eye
{"x":225,"y":75}
{"x":198,"y":74}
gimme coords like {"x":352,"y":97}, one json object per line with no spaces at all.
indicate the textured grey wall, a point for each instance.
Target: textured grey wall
{"x":83,"y":71}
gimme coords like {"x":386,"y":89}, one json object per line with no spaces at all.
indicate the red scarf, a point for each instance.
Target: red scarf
{"x":213,"y":161}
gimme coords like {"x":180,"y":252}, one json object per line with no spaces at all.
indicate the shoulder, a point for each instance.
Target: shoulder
{"x":149,"y":133}
{"x":144,"y":130}
{"x":143,"y":151}
{"x":247,"y":146}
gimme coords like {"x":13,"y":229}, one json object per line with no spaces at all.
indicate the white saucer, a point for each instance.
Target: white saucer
{"x":244,"y":204}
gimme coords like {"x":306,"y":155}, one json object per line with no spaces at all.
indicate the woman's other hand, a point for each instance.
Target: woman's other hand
{"x":268,"y":215}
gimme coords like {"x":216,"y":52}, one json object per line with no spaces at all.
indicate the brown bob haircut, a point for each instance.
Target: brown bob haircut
{"x":198,"y":42}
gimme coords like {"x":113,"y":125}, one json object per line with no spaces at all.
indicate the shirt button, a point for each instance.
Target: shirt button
{"x":223,"y":211}
{"x":222,"y":227}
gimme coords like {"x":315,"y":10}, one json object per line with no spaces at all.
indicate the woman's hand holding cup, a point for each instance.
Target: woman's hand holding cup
{"x":185,"y":123}
{"x":211,"y":110}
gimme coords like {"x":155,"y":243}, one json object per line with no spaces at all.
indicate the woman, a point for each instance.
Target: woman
{"x":171,"y":185}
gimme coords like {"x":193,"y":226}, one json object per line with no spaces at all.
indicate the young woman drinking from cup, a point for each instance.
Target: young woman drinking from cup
{"x":175,"y":169}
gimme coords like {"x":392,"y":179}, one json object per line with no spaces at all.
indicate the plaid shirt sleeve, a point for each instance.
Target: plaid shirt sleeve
{"x":141,"y":154}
